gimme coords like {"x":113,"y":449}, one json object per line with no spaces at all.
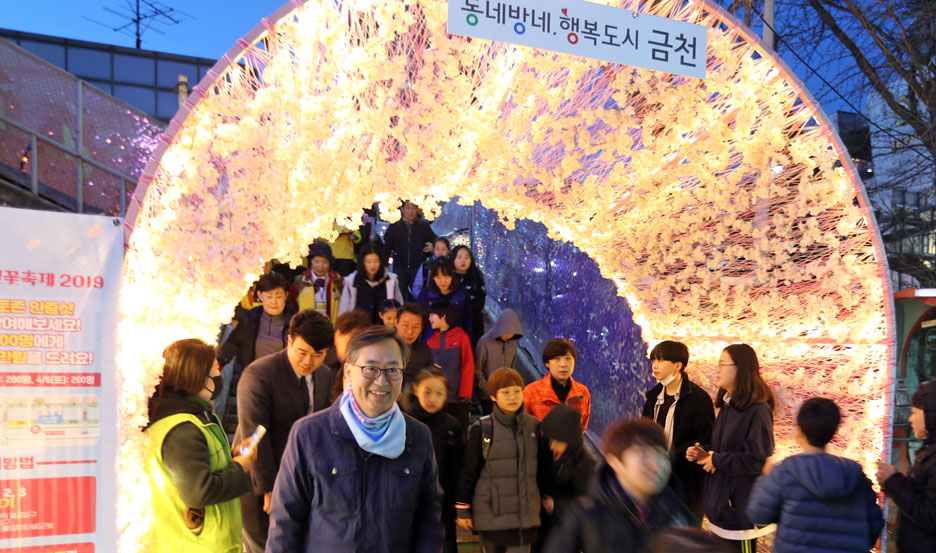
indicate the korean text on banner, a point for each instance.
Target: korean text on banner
{"x":586,"y":29}
{"x":59,"y":281}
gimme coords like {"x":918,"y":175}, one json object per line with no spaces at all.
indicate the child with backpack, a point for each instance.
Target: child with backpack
{"x":497,"y":494}
{"x":426,"y":403}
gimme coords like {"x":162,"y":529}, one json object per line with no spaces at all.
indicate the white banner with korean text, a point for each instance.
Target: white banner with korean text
{"x":586,"y":29}
{"x":59,"y":281}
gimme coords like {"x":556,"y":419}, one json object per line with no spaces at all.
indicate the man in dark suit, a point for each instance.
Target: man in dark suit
{"x":276,"y":391}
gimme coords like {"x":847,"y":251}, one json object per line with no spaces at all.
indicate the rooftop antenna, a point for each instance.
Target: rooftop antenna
{"x":139,"y":16}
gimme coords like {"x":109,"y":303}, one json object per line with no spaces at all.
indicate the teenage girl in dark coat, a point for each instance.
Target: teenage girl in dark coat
{"x":470,"y":278}
{"x":742,"y":440}
{"x":426,"y":403}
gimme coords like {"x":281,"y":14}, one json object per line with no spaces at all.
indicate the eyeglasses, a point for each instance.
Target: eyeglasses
{"x":371,"y":373}
{"x":723,"y":365}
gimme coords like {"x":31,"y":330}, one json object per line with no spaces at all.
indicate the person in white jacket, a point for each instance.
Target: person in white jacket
{"x":371,"y":284}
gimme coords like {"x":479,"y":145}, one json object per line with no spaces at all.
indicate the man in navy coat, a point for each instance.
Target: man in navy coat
{"x":360,"y":476}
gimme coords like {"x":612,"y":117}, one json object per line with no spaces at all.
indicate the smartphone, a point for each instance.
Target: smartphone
{"x":702,"y":453}
{"x":254,"y":440}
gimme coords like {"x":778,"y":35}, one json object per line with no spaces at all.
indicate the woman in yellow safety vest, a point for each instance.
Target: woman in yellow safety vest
{"x":193,"y":479}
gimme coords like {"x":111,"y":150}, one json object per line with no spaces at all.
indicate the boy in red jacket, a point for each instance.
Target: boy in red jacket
{"x":451,"y":351}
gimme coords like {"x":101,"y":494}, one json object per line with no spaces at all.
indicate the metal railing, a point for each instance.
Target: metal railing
{"x":66,"y":141}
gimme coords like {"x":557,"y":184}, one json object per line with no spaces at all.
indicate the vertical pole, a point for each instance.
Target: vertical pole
{"x":79,"y":144}
{"x":123,"y":197}
{"x":768,"y":32}
{"x":137,"y":21}
{"x":471,"y":228}
{"x":34,"y":164}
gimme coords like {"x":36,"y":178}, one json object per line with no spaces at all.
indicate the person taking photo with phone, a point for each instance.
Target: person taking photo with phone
{"x":742,"y":440}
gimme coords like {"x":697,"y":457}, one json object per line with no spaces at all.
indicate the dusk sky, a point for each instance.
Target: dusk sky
{"x":209,"y":27}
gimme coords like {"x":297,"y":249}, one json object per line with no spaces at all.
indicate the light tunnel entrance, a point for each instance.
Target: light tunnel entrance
{"x":722,"y":210}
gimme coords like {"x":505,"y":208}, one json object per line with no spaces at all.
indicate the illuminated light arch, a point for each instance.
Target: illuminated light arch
{"x":724,"y":210}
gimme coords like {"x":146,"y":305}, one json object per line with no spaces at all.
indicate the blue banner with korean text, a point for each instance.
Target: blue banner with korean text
{"x":586,"y":29}
{"x":59,"y":281}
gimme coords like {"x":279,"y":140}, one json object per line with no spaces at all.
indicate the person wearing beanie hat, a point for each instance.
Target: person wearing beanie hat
{"x":565,"y":474}
{"x":915,"y":493}
{"x":497,"y":494}
{"x":320,"y":286}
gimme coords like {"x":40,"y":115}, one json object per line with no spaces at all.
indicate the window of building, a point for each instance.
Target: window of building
{"x":89,"y":64}
{"x":52,"y":53}
{"x":167,"y":104}
{"x":168,"y":73}
{"x":134,"y":69}
{"x":144,"y":99}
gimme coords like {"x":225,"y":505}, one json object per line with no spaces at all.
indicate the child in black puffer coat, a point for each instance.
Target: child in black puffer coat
{"x":567,"y":474}
{"x":426,"y":403}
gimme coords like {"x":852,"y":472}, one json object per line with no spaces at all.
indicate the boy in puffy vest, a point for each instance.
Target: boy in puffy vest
{"x":497,"y":495}
{"x":820,"y":502}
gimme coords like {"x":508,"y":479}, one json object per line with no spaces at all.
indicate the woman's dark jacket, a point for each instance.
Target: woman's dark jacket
{"x":473,"y":283}
{"x":607,"y":520}
{"x":821,"y":504}
{"x":331,"y":496}
{"x":693,"y":422}
{"x":742,"y":440}
{"x":186,"y":457}
{"x":459,"y":300}
{"x":915,"y":493}
{"x":243,"y":340}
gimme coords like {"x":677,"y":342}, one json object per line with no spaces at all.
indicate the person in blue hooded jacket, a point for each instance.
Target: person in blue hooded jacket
{"x":820,"y":502}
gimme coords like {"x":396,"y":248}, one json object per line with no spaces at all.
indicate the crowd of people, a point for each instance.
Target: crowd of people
{"x":392,"y":419}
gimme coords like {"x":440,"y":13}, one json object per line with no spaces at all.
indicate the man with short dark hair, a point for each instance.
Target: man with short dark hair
{"x":409,"y":242}
{"x":685,"y":412}
{"x":276,"y":391}
{"x":346,"y":326}
{"x":361,"y":475}
{"x":409,"y":326}
{"x":262,"y":330}
{"x":820,"y":502}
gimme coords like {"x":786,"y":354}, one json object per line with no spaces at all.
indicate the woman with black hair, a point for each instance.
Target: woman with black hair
{"x":444,"y":286}
{"x":742,"y":440}
{"x":441,"y":247}
{"x":371,"y":284}
{"x":470,"y":278}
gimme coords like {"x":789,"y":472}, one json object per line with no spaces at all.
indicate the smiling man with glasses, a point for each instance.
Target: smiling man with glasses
{"x":346,"y":468}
